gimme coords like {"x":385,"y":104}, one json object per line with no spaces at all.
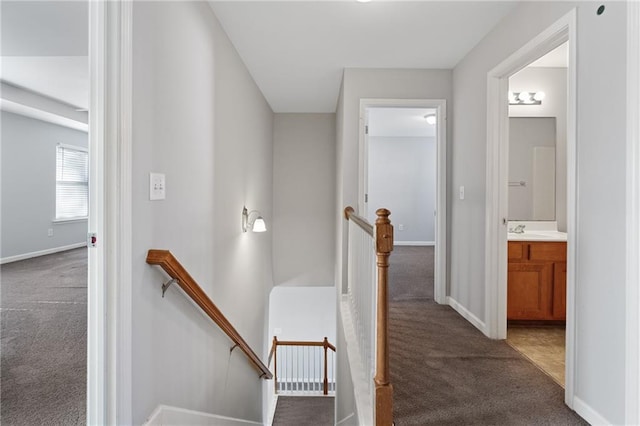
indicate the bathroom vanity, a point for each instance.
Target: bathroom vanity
{"x":536,"y":280}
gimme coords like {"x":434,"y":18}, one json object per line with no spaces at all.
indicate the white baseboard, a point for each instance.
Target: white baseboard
{"x":165,"y":415}
{"x":466,"y":314}
{"x":346,"y":419}
{"x":589,"y":414}
{"x":272,"y":409}
{"x":414,"y":243}
{"x":25,"y":256}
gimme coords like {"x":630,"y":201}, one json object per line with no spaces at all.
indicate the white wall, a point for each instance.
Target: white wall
{"x":402,"y":178}
{"x":192,"y":96}
{"x":553,"y":82}
{"x":29,"y":186}
{"x":600,"y":255}
{"x":303,"y":313}
{"x":304,"y":199}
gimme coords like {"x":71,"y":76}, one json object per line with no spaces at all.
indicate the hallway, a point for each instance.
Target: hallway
{"x":445,"y":371}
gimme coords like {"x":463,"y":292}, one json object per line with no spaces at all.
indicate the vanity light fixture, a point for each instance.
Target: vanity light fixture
{"x":256,"y":225}
{"x":431,"y":119}
{"x":363,"y":1}
{"x":526,"y":98}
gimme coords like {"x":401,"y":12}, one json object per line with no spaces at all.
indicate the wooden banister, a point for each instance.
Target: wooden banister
{"x":171,"y":266}
{"x":383,"y":234}
{"x":351,"y":215}
{"x":274,"y":351}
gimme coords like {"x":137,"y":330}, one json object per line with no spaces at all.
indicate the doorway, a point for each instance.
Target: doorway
{"x":497,"y":220}
{"x":410,"y":181}
{"x":536,"y":288}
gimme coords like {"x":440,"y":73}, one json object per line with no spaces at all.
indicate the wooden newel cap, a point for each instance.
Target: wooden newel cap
{"x":383,"y":214}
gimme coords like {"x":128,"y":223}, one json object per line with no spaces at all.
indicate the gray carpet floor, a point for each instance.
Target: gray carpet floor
{"x":446,"y":372}
{"x":43,"y":338}
{"x":304,"y":410}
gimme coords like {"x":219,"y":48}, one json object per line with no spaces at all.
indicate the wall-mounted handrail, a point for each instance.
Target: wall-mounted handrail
{"x":297,"y":343}
{"x":171,"y":266}
{"x":382,"y":242}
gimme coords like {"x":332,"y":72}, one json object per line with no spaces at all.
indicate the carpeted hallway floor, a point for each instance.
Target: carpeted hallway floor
{"x":303,"y":411}
{"x":44,"y":340}
{"x":446,"y":372}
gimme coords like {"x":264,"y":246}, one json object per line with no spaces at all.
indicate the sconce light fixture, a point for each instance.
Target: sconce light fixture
{"x":526,"y":98}
{"x":256,"y":225}
{"x":431,"y":119}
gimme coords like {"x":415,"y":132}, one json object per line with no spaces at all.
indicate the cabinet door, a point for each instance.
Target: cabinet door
{"x":529,"y":291}
{"x":559,"y":291}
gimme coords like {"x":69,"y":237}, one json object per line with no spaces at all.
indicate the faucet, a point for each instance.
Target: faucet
{"x":518,"y":229}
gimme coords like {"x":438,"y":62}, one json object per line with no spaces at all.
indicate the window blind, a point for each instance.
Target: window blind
{"x":72,"y":182}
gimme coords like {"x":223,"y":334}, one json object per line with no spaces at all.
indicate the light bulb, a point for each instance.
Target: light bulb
{"x":524,"y":97}
{"x":539,"y":96}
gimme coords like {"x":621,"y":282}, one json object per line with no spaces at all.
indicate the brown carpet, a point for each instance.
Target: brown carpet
{"x":44,"y":340}
{"x":304,"y":410}
{"x":446,"y":372}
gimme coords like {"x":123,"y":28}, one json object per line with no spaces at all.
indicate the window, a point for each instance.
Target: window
{"x":72,"y":182}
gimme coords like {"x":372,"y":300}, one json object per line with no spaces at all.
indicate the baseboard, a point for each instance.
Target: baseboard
{"x":466,"y":314}
{"x":25,"y":256}
{"x":165,"y":415}
{"x":589,"y":414}
{"x":414,"y":243}
{"x":346,"y":419}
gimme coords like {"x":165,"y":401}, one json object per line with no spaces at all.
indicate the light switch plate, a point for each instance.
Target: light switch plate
{"x":462,"y":192}
{"x":156,"y":186}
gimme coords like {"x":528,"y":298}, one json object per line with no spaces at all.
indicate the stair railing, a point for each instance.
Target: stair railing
{"x":180,"y":276}
{"x":303,"y":368}
{"x":369,"y":248}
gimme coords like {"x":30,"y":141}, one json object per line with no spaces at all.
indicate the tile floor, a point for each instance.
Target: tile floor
{"x":544,"y":346}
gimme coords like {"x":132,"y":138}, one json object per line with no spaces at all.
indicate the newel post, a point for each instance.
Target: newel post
{"x":325,"y":344}
{"x":275,"y":364}
{"x":384,"y":389}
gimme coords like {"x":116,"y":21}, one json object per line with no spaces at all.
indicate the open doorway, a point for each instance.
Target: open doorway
{"x":500,"y":253}
{"x":403,"y":159}
{"x":45,"y":211}
{"x":537,"y":220}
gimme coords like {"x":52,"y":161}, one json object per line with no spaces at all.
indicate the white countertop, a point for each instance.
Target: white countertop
{"x":537,"y":236}
{"x":536,"y":231}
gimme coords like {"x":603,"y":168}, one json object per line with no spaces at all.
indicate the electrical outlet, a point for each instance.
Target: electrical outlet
{"x":401,"y":227}
{"x":156,"y":186}
{"x":50,"y":232}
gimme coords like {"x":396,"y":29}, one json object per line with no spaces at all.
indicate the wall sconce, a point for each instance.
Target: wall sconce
{"x":526,"y":98}
{"x":256,"y":225}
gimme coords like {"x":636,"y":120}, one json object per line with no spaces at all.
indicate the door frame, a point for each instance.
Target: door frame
{"x":632,"y":355}
{"x":440,"y":105}
{"x":497,"y":185}
{"x":109,"y":333}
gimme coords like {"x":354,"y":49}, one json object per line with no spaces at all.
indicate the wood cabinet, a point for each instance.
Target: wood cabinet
{"x":536,"y":280}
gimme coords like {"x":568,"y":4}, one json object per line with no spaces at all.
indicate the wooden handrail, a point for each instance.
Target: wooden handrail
{"x":350,"y":214}
{"x":171,"y":266}
{"x":274,"y":351}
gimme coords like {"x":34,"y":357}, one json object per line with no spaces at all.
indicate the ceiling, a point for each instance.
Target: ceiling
{"x":557,"y":58}
{"x":44,"y":47}
{"x":400,"y":122}
{"x":296,"y":50}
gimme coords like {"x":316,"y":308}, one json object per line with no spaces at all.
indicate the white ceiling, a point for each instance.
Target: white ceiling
{"x":44,"y":48}
{"x":296,"y":51}
{"x":400,"y":122}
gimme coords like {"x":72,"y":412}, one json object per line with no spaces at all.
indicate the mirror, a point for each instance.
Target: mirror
{"x":532,"y":168}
